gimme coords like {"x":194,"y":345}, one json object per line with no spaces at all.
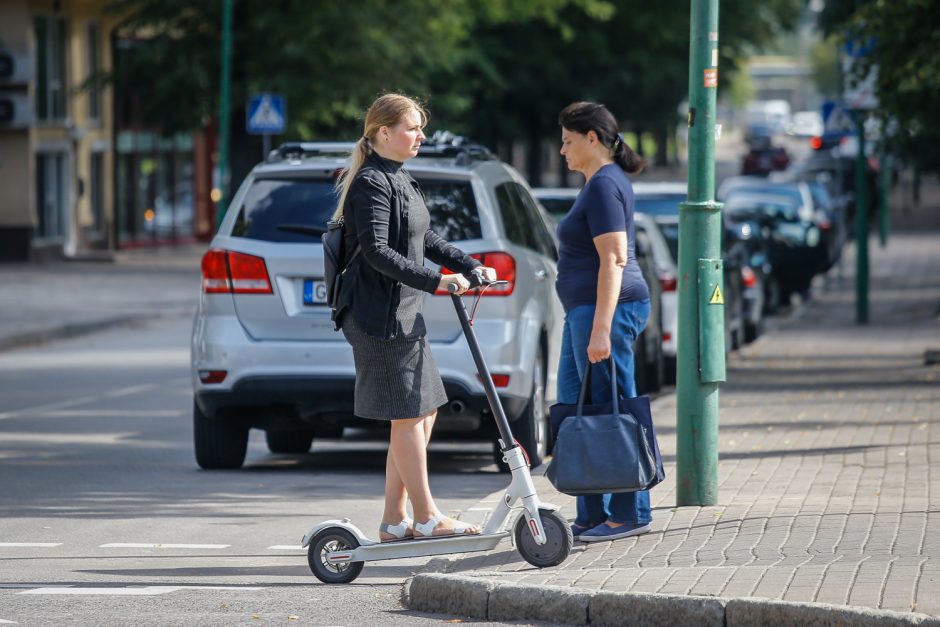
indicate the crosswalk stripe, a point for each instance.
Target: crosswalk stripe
{"x":30,"y":544}
{"x":129,"y":591}
{"x":157,"y":545}
{"x":7,"y":622}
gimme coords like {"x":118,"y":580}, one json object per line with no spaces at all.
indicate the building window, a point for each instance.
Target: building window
{"x":51,"y":80}
{"x":51,"y":195}
{"x":94,"y":67}
{"x":96,"y":192}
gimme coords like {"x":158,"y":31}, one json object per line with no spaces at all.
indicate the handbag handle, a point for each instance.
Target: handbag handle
{"x":586,"y":386}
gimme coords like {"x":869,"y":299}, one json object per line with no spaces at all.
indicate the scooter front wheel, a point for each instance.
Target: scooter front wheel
{"x":557,"y":533}
{"x":327,"y":541}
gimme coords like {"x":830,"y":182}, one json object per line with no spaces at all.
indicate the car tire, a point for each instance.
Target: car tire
{"x":656,"y":369}
{"x":220,"y":442}
{"x":669,"y":370}
{"x":532,"y":429}
{"x":293,"y":441}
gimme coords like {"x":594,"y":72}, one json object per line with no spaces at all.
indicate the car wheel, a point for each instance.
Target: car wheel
{"x":220,"y":442}
{"x":532,"y":429}
{"x":669,"y":370}
{"x":294,"y":441}
{"x":656,"y":369}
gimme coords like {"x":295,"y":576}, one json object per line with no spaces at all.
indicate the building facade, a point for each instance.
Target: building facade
{"x":77,"y":175}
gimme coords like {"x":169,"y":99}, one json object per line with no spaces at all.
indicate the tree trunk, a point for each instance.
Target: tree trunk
{"x":662,"y":145}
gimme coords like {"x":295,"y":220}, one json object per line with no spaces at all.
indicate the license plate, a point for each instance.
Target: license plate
{"x":314,"y":292}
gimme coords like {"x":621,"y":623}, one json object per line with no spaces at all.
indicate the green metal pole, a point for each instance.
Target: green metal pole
{"x":885,"y":189}
{"x":228,"y":8}
{"x":861,"y":224}
{"x":700,"y":357}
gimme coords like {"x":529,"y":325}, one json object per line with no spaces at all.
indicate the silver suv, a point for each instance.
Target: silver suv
{"x":264,"y":351}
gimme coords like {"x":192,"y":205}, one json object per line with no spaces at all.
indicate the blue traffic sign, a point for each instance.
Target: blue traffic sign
{"x":266,"y":114}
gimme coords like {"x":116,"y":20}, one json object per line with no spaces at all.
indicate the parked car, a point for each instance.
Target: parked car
{"x":666,"y":273}
{"x":651,"y":367}
{"x":761,"y":161}
{"x":733,"y":264}
{"x":791,"y":241}
{"x":264,"y":351}
{"x":818,"y":223}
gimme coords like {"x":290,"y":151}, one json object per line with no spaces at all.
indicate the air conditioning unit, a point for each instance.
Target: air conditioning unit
{"x":16,"y":110}
{"x":15,"y":68}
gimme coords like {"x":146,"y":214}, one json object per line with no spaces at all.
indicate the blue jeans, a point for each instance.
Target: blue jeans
{"x":629,"y":321}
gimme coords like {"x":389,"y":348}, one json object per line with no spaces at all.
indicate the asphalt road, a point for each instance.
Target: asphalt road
{"x":106,"y":518}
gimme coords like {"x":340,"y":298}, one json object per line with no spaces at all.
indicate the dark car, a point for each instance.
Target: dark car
{"x":764,"y":160}
{"x":792,"y":243}
{"x":815,"y":218}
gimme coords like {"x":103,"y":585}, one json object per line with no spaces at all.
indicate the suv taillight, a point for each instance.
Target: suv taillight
{"x":505,"y":267}
{"x":228,"y":272}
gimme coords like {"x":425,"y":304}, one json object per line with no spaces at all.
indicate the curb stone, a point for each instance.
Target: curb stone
{"x":490,"y":599}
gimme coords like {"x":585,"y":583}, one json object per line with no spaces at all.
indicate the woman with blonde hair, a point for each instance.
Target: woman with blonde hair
{"x":383,"y":290}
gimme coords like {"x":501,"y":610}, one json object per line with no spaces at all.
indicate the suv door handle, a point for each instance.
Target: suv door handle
{"x":540,"y":274}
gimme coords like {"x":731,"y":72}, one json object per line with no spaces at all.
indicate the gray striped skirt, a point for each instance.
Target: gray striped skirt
{"x":397,"y":378}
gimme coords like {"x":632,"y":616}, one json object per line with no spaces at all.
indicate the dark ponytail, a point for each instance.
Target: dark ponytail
{"x":582,"y":117}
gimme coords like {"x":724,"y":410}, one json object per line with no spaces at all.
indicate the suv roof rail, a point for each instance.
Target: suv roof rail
{"x":442,"y":144}
{"x":448,"y":145}
{"x":299,"y":150}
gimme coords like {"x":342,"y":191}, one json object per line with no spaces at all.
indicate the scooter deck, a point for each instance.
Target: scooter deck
{"x":397,"y":549}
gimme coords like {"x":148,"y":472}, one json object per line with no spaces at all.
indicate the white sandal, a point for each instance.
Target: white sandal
{"x":427,"y":529}
{"x":399,"y":531}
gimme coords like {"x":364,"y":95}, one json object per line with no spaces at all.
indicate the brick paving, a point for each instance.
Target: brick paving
{"x":830,"y":462}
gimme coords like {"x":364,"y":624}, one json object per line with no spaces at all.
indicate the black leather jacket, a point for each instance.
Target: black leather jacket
{"x":377,"y":224}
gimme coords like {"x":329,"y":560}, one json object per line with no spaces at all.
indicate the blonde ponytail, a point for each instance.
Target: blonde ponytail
{"x":387,"y":110}
{"x":362,"y":150}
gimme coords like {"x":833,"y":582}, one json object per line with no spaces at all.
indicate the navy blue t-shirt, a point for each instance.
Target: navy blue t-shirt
{"x":604,"y":205}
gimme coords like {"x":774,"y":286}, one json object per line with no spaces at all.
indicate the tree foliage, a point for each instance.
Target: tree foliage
{"x":906,"y":40}
{"x":499,"y":70}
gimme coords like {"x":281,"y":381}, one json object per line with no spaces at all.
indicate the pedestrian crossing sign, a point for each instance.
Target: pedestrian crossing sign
{"x":266,"y":114}
{"x":717,"y":297}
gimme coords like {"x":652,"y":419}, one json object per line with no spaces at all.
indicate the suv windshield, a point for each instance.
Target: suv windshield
{"x":271,"y":203}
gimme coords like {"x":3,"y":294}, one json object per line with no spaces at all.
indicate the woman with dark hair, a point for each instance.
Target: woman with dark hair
{"x":601,"y":287}
{"x":396,"y":375}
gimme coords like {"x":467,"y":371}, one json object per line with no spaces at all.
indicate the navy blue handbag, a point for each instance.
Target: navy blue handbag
{"x":604,"y":448}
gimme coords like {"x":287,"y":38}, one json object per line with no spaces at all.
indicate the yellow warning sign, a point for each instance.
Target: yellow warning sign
{"x":717,"y":297}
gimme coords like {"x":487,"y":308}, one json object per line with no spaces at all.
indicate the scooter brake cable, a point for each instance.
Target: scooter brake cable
{"x":476,"y":301}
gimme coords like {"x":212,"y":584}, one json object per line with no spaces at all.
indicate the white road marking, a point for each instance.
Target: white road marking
{"x":7,"y":622}
{"x":129,"y":591}
{"x":30,"y":544}
{"x":43,"y":409}
{"x":113,"y":413}
{"x":286,"y":547}
{"x":157,"y":545}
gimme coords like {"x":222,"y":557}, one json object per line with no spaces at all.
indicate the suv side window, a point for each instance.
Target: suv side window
{"x":515,"y":221}
{"x":544,"y":241}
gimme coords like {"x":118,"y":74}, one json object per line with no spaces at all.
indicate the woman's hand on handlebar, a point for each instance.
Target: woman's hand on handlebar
{"x":489,"y":274}
{"x":461,"y":283}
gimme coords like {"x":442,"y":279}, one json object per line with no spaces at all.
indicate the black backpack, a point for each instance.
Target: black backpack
{"x":335,"y":264}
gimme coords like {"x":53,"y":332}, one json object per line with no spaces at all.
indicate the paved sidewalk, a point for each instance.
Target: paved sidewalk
{"x":44,"y":301}
{"x":829,"y":473}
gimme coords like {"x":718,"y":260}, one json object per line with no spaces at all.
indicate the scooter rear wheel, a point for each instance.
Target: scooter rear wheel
{"x":558,"y":534}
{"x":327,"y":541}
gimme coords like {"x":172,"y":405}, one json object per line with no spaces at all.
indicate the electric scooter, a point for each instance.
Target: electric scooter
{"x":337,"y":549}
